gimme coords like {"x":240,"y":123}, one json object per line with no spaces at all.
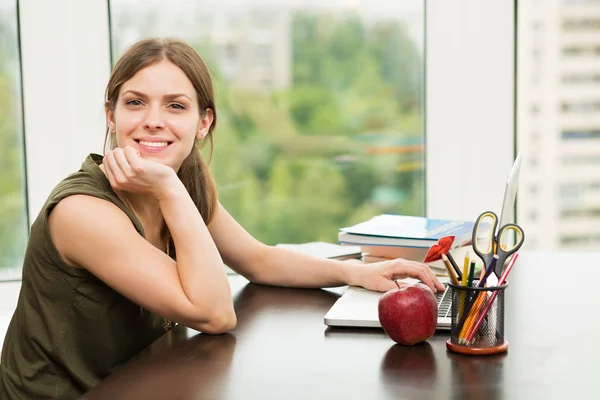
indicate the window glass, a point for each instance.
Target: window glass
{"x":564,"y":137}
{"x":13,"y":205}
{"x":320,"y":106}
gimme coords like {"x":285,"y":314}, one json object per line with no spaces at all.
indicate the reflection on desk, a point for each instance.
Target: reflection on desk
{"x":175,"y":367}
{"x":281,"y":349}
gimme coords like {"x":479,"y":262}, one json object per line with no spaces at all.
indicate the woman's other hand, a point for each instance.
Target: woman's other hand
{"x":380,"y":276}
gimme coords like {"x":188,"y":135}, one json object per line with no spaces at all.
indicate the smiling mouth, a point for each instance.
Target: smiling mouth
{"x":156,"y":145}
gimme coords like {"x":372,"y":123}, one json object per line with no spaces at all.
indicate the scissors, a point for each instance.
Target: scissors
{"x":486,"y":244}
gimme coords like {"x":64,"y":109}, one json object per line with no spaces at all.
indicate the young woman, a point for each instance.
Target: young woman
{"x":136,"y":241}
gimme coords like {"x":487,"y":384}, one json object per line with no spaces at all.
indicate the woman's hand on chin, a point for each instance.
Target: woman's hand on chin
{"x":127,"y":171}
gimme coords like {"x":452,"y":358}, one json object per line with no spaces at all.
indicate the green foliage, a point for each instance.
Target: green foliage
{"x":13,"y":220}
{"x":305,"y":199}
{"x":295,"y":165}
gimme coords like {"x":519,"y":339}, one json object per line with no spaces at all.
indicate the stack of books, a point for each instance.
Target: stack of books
{"x":388,"y":236}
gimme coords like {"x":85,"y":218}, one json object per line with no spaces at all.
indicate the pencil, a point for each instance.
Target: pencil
{"x":465,"y":271}
{"x":485,"y":311}
{"x":462,"y":337}
{"x":465,"y":277}
{"x":451,"y":272}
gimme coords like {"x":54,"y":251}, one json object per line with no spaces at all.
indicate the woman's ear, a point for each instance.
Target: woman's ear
{"x":205,"y":123}
{"x":110,"y":120}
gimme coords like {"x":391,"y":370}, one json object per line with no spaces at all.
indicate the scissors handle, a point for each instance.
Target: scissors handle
{"x":484,"y":237}
{"x":505,"y":245}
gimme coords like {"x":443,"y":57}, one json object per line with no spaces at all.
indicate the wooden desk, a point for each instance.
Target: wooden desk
{"x":281,"y":348}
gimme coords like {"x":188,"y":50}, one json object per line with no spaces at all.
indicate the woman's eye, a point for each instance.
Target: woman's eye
{"x":133,"y":102}
{"x":177,"y":106}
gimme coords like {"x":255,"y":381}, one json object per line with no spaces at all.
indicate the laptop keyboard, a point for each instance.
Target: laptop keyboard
{"x":444,"y":301}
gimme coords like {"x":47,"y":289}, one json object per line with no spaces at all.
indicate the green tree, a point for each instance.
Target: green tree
{"x":305,"y":201}
{"x":13,"y":217}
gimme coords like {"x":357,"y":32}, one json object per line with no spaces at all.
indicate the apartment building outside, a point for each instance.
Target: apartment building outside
{"x":558,"y":123}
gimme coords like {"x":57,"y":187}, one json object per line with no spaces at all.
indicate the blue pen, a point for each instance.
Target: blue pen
{"x":488,"y":271}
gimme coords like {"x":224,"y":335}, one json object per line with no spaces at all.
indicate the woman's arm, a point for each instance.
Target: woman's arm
{"x":283,"y":267}
{"x":96,"y":235}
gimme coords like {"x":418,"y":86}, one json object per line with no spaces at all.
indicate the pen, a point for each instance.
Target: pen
{"x":451,"y":271}
{"x":471,"y":274}
{"x":488,"y":271}
{"x":485,"y":311}
{"x":454,"y":265}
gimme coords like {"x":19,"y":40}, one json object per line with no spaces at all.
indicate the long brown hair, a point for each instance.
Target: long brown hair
{"x":194,"y":172}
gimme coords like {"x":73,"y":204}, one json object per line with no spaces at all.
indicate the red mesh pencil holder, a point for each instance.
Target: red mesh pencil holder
{"x":477,"y":324}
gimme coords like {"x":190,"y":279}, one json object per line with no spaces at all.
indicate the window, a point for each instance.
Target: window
{"x":580,"y":50}
{"x":13,"y":212}
{"x":533,"y":189}
{"x":581,"y":24}
{"x":581,"y":134}
{"x":580,"y":106}
{"x":580,"y":159}
{"x":581,"y":78}
{"x":590,"y":212}
{"x":592,"y":240}
{"x":320,"y":106}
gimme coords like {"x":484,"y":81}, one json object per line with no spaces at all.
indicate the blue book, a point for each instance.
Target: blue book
{"x":405,"y":231}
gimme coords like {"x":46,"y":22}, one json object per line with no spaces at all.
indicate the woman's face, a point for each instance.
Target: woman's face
{"x":157,"y":113}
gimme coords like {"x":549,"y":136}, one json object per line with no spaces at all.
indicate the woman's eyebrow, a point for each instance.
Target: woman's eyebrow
{"x":173,"y":96}
{"x":170,"y":96}
{"x":135,"y":93}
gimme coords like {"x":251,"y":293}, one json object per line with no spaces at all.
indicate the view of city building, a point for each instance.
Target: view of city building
{"x":558,"y":123}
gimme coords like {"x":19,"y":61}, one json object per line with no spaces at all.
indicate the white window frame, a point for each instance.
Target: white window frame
{"x":66,"y":64}
{"x":469,"y":97}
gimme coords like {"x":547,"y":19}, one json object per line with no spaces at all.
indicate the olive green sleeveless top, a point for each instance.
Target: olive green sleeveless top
{"x":69,"y":330}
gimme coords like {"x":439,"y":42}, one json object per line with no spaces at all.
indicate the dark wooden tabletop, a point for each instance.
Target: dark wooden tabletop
{"x":281,"y":348}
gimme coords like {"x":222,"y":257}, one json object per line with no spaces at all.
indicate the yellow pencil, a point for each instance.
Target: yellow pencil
{"x":465,"y":274}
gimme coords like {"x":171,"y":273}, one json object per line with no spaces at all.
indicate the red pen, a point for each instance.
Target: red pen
{"x":501,"y":281}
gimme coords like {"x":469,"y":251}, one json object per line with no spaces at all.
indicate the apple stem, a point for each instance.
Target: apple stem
{"x":397,"y":284}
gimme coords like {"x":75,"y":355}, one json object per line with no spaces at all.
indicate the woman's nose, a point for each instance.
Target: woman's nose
{"x":154,"y":119}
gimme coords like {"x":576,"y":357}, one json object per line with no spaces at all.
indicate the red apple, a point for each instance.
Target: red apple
{"x":408,"y":314}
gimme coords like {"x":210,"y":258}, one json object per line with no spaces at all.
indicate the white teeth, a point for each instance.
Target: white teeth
{"x":154,"y":144}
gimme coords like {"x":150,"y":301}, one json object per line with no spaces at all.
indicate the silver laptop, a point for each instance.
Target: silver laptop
{"x":358,"y":306}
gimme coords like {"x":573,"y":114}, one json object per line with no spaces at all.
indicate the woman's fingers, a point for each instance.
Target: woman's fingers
{"x":108,"y":171}
{"x":419,"y":271}
{"x":438,"y":285}
{"x":123,"y":163}
{"x":434,"y":279}
{"x":118,"y":177}
{"x":134,"y":159}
